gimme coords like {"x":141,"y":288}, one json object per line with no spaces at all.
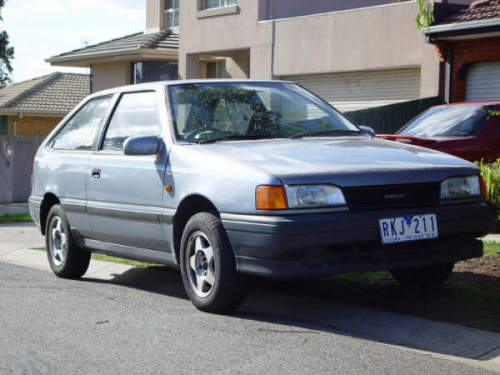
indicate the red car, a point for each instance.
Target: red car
{"x":468,"y":130}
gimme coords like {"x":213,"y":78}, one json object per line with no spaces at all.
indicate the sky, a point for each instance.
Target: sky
{"x":39,"y":29}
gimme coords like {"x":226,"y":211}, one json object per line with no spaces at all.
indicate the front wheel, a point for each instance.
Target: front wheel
{"x":423,"y":277}
{"x":208,"y":266}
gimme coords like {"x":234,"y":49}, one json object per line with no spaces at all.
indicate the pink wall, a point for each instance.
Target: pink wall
{"x":273,"y":9}
{"x":293,"y":8}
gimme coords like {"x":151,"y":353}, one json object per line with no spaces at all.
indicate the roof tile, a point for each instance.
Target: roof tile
{"x":479,"y":10}
{"x":57,"y":93}
{"x":164,"y":39}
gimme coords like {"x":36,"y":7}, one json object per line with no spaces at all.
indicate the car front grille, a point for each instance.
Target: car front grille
{"x":393,"y":196}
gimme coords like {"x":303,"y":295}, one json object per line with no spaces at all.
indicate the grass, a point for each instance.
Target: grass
{"x":106,"y":258}
{"x":491,"y":248}
{"x":128,"y":262}
{"x":15,"y":218}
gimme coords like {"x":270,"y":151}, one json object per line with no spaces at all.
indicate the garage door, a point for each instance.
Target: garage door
{"x":357,"y":90}
{"x":483,"y":81}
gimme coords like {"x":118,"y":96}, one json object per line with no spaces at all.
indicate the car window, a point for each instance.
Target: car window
{"x":205,"y":111}
{"x":454,"y":121}
{"x":136,"y":115}
{"x":80,"y":131}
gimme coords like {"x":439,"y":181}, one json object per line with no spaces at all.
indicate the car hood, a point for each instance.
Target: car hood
{"x":345,"y":161}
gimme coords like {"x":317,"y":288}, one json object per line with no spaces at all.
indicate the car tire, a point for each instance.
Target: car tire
{"x":66,"y":259}
{"x":208,"y":266}
{"x":423,"y":277}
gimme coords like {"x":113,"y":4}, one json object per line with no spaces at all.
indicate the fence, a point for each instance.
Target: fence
{"x":16,"y":159}
{"x":34,"y":140}
{"x":390,"y":118}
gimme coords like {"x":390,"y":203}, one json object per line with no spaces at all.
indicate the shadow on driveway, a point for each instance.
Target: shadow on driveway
{"x":333,"y":305}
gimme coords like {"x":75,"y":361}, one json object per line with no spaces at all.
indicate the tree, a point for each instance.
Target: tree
{"x":425,"y":15}
{"x":6,"y":54}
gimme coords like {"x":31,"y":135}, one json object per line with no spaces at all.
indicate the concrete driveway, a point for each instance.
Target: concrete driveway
{"x":120,"y":319}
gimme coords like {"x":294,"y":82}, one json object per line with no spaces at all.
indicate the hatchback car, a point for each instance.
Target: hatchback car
{"x":467,"y":130}
{"x":225,"y":178}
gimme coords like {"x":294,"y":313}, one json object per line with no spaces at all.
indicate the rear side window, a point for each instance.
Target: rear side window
{"x":80,"y":131}
{"x":135,"y":116}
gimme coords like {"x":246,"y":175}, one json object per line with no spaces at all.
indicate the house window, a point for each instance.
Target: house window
{"x":172,"y":13}
{"x":209,"y":4}
{"x":4,"y":125}
{"x":151,"y":71}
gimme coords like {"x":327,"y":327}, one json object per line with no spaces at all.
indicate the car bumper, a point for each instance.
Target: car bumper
{"x":34,"y":204}
{"x":321,"y":244}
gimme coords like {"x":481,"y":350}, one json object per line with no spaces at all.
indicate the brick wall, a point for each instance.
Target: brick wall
{"x":465,"y":53}
{"x":33,"y":126}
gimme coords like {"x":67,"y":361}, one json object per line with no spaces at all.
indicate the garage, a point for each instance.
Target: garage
{"x":358,"y":90}
{"x":483,"y":81}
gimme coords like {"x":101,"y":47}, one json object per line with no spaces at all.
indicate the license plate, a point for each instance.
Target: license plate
{"x":408,"y":228}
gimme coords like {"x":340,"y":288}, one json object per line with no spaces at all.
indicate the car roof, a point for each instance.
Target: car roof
{"x":160,"y":84}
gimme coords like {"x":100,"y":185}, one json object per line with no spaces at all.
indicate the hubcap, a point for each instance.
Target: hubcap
{"x":200,"y":265}
{"x":57,"y":241}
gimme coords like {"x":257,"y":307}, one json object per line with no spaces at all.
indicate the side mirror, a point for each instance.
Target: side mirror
{"x":142,"y":146}
{"x":368,"y":131}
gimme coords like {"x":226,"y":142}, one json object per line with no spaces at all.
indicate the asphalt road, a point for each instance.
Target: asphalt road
{"x":142,"y":323}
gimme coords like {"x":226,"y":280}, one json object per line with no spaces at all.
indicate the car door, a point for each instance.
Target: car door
{"x":66,"y":160}
{"x":125,"y":193}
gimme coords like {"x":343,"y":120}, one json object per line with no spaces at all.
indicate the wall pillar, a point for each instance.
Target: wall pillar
{"x":189,"y":66}
{"x":261,"y":62}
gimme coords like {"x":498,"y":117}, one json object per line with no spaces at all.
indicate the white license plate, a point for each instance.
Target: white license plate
{"x":408,"y":228}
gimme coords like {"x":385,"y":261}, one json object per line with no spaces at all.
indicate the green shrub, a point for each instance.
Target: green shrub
{"x":491,"y":175}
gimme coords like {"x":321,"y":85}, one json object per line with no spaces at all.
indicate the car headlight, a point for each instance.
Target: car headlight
{"x":278,"y":197}
{"x":461,"y":187}
{"x":308,"y":196}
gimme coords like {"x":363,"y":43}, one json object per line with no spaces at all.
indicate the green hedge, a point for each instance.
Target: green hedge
{"x":491,"y":175}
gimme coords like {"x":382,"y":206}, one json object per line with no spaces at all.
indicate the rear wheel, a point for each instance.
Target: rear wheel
{"x":208,"y":266}
{"x":423,"y":277}
{"x":66,"y":259}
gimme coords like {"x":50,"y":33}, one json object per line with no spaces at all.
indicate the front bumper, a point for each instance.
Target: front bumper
{"x":320,"y":244}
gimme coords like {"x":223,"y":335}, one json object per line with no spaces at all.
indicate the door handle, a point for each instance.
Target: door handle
{"x":96,"y":173}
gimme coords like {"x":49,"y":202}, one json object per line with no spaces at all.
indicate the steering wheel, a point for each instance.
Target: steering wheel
{"x":199,"y":131}
{"x":271,"y":120}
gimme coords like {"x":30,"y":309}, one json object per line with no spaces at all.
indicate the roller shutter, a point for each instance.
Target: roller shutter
{"x":358,"y":90}
{"x":483,"y":81}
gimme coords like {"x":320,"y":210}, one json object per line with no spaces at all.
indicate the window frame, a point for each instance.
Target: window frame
{"x":169,"y":11}
{"x":133,"y":67}
{"x":222,"y":4}
{"x":112,"y":103}
{"x":116,"y":103}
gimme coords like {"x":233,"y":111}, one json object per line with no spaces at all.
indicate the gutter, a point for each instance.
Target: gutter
{"x":459,"y":28}
{"x":117,"y":53}
{"x":90,"y":55}
{"x":21,"y":115}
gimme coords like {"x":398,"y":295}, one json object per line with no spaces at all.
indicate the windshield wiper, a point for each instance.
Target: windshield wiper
{"x":235,"y":137}
{"x":333,"y":132}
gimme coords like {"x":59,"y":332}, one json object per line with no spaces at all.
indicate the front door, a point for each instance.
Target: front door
{"x":125,"y":193}
{"x":68,"y":156}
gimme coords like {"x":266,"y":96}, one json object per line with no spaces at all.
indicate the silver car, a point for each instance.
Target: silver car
{"x":222,"y":178}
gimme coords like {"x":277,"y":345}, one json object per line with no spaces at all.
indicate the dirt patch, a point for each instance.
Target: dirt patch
{"x":471,"y":296}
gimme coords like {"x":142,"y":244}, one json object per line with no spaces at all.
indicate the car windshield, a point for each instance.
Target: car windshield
{"x":454,"y":121}
{"x":205,"y":112}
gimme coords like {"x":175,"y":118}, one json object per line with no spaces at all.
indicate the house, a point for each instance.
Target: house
{"x":468,"y":41}
{"x":34,"y":107}
{"x":354,"y":53}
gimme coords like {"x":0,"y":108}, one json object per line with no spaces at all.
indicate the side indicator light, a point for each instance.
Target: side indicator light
{"x":270,"y":197}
